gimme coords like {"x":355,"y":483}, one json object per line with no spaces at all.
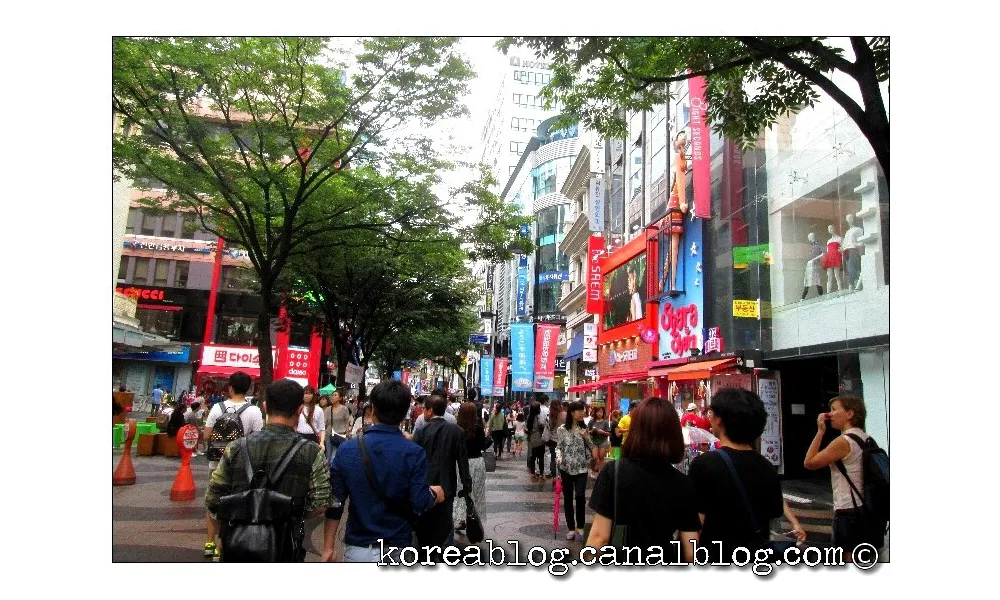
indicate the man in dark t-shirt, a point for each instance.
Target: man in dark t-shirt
{"x":738,"y":418}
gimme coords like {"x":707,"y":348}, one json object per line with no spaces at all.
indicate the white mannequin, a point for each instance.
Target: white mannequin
{"x":833,"y":260}
{"x":812,"y":278}
{"x":852,"y":253}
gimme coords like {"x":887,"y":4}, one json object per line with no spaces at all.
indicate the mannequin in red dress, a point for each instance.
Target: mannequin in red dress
{"x":833,"y":260}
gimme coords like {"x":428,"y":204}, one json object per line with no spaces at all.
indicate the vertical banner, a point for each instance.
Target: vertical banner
{"x":500,"y":375}
{"x":596,"y":203}
{"x":770,"y":439}
{"x":522,"y":352}
{"x":701,"y":154}
{"x":486,"y":376}
{"x":545,"y":357}
{"x":522,"y":291}
{"x":595,"y":282}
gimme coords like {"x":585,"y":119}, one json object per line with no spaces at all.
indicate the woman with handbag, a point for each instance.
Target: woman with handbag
{"x":498,"y":431}
{"x":641,"y":499}
{"x":311,"y":425}
{"x":475,"y":443}
{"x":574,"y":454}
{"x":600,"y":430}
{"x":536,"y":444}
{"x":337,"y":424}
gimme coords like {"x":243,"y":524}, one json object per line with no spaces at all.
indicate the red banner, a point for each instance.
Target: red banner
{"x":499,"y":375}
{"x":595,"y":280}
{"x":546,"y":342}
{"x":701,"y":154}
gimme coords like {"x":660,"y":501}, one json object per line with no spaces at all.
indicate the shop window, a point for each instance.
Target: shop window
{"x":238,"y":279}
{"x":166,"y":323}
{"x":237,"y":331}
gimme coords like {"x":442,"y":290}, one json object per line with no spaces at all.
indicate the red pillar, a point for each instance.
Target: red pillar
{"x":283,"y":337}
{"x":315,"y":355}
{"x":213,"y":296}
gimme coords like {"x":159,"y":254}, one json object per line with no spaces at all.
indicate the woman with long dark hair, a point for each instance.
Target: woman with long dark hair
{"x":574,"y":449}
{"x":600,"y":430}
{"x":536,"y":447}
{"x":654,"y":501}
{"x":475,"y":443}
{"x":311,"y":424}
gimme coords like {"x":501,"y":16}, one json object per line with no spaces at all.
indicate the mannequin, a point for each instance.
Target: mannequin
{"x":813,"y":267}
{"x":852,"y":253}
{"x":677,"y":207}
{"x":833,"y":260}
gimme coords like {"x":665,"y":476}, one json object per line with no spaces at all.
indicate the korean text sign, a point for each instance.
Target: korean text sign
{"x":486,"y":376}
{"x":595,"y":283}
{"x":546,"y":339}
{"x":500,"y":375}
{"x":522,"y":352}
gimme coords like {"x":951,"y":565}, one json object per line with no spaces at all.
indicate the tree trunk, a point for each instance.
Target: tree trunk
{"x":264,"y":339}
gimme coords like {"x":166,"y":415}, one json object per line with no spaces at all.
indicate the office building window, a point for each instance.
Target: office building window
{"x":238,"y":279}
{"x":141,"y":273}
{"x":133,"y":217}
{"x":189,"y":224}
{"x":517,"y":98}
{"x":160,"y":272}
{"x":147,"y":224}
{"x":166,"y":323}
{"x":181,"y":273}
{"x":237,"y":331}
{"x":123,"y":269}
{"x":169,"y":227}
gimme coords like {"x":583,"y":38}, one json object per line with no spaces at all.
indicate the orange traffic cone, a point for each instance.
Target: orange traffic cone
{"x":125,"y":473}
{"x":183,"y":488}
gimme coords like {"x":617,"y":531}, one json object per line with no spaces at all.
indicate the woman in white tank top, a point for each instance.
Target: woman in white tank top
{"x":847,"y":415}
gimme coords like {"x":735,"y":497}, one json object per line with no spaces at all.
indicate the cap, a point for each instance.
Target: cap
{"x":692,"y":406}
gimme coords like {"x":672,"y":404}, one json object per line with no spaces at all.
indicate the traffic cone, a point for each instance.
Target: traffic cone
{"x":183,"y":488}
{"x":125,"y":473}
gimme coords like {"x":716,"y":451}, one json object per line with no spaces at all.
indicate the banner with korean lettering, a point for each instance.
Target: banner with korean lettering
{"x":545,"y":357}
{"x":486,"y":376}
{"x":500,"y":375}
{"x":595,"y":281}
{"x":701,"y":156}
{"x":522,"y":291}
{"x":522,"y":353}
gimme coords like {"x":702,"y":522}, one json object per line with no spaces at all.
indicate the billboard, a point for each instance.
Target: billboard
{"x":625,"y":293}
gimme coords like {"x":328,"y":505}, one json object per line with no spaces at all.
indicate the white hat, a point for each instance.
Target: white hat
{"x":692,"y":406}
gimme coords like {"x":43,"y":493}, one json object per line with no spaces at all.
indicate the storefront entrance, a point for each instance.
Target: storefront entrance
{"x":807,"y":386}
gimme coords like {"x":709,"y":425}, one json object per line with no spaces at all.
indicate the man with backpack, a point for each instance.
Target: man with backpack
{"x":268,"y":483}
{"x":228,"y":421}
{"x":859,"y":472}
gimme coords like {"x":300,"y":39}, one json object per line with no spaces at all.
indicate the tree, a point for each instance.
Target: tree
{"x":750,"y":81}
{"x":255,"y":135}
{"x":445,"y":343}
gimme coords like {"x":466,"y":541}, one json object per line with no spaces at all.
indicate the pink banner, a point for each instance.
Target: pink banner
{"x":701,"y":154}
{"x":500,"y":375}
{"x":546,"y":340}
{"x":595,"y":282}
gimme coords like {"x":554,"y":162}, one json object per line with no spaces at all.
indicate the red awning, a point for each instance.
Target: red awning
{"x":626,"y":377}
{"x":584,"y":387}
{"x":693,"y":370}
{"x":227,"y":371}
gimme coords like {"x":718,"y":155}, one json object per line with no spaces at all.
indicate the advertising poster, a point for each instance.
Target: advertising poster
{"x":595,"y":251}
{"x":681,"y":321}
{"x":522,"y":352}
{"x":770,"y":440}
{"x":625,"y":293}
{"x":486,"y":376}
{"x":500,"y":375}
{"x":545,"y":357}
{"x":700,"y":154}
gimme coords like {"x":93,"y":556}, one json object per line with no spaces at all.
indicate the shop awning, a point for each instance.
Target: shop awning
{"x":227,"y":371}
{"x":575,"y":349}
{"x":626,"y":377}
{"x":693,"y":370}
{"x":584,"y":387}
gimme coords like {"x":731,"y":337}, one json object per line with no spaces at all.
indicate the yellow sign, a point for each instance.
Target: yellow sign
{"x":746,"y":308}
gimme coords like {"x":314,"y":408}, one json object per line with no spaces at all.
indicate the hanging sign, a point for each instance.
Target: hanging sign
{"x":596,"y":203}
{"x":522,"y":352}
{"x":700,"y":152}
{"x":595,"y":282}
{"x":486,"y":376}
{"x":500,"y":375}
{"x":545,"y":357}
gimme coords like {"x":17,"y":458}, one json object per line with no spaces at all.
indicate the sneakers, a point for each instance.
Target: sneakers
{"x":571,"y":536}
{"x":579,"y":535}
{"x":211,"y":550}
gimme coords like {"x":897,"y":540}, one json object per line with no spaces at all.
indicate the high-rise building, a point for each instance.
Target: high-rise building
{"x":518,"y":110}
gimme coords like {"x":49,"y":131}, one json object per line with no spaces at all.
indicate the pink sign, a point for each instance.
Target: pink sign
{"x":499,"y":375}
{"x":701,"y":154}
{"x":236,"y":357}
{"x":546,"y":339}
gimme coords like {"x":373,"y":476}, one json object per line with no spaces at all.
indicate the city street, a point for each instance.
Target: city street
{"x":149,"y":527}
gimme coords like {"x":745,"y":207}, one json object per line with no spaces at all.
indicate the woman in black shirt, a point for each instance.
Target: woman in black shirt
{"x":654,"y":500}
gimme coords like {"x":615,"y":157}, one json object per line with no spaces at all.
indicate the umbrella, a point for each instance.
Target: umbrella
{"x":328,"y":389}
{"x":555,"y":507}
{"x":697,"y":435}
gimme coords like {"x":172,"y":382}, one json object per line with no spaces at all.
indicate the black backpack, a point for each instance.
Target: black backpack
{"x":228,"y":428}
{"x":874,"y":483}
{"x":260,"y":524}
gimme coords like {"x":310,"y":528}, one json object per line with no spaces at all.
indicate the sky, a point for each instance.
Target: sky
{"x":345,"y":22}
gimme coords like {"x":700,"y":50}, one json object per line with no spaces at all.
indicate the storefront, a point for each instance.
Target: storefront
{"x":140,"y":372}
{"x":219,"y":362}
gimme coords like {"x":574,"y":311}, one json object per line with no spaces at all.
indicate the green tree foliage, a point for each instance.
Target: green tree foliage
{"x":257,"y":136}
{"x":751,"y":81}
{"x":445,"y":343}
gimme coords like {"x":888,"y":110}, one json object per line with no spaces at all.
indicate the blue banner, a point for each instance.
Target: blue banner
{"x":522,"y":260}
{"x":181,"y":356}
{"x":397,"y":375}
{"x":522,"y":357}
{"x":553,"y":276}
{"x":522,"y":291}
{"x":486,"y":376}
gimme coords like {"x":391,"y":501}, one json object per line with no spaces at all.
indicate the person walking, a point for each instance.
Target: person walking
{"x":476,"y":443}
{"x":519,"y":424}
{"x":654,"y":501}
{"x":386,"y":502}
{"x":155,"y":398}
{"x":615,"y":439}
{"x":550,"y":425}
{"x":536,"y":445}
{"x":600,"y":431}
{"x":311,"y":425}
{"x":337,"y":426}
{"x":574,"y":451}
{"x":498,"y":430}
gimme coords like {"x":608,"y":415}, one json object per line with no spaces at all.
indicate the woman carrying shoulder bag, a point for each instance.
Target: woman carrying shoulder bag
{"x":536,"y":444}
{"x":574,"y":451}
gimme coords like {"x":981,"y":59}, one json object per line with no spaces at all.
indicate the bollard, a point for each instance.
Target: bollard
{"x":125,"y":473}
{"x":187,"y":441}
